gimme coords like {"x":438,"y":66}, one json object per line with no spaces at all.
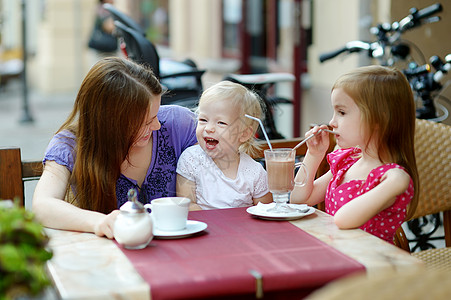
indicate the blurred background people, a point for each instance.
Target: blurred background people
{"x":102,"y":40}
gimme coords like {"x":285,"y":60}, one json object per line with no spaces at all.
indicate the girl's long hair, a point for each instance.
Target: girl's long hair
{"x":111,"y":106}
{"x":246,"y":100}
{"x":386,"y":102}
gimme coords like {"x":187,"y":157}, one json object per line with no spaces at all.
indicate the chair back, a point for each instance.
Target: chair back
{"x":433,"y":156}
{"x":404,"y":284}
{"x":14,"y":172}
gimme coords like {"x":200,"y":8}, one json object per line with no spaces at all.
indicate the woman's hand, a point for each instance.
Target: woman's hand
{"x":106,"y":225}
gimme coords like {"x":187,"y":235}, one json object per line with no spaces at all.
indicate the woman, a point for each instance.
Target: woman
{"x":117,"y":137}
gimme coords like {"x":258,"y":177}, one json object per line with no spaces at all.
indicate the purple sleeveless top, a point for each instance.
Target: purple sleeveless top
{"x":177,"y":132}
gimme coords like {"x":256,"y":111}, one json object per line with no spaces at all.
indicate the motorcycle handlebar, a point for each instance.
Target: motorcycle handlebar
{"x":326,"y":56}
{"x":376,"y":49}
{"x":353,"y":46}
{"x":417,"y":71}
{"x":416,"y":16}
{"x":429,"y":11}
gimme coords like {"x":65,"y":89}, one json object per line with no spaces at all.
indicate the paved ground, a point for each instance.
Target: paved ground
{"x":48,"y":112}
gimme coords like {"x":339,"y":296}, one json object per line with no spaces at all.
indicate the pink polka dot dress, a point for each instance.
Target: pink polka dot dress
{"x":385,"y":223}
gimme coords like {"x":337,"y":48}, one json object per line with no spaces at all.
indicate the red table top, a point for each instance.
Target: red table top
{"x":218,"y":261}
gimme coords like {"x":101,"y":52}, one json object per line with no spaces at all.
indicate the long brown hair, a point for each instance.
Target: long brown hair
{"x":386,"y":102}
{"x":109,"y":110}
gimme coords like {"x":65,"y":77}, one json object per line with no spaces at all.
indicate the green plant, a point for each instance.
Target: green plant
{"x":23,"y":253}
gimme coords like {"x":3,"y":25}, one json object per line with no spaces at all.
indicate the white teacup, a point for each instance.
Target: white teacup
{"x":169,"y":213}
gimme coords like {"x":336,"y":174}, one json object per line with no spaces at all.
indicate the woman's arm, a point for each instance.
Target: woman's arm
{"x":187,"y":188}
{"x":357,"y":212}
{"x":52,"y":211}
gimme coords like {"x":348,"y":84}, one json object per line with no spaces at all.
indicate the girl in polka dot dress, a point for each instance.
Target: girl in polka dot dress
{"x":373,"y":180}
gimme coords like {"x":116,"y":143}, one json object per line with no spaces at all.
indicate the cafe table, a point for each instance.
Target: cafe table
{"x":236,"y":255}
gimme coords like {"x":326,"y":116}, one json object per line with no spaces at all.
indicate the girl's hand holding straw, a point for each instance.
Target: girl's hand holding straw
{"x":311,"y":136}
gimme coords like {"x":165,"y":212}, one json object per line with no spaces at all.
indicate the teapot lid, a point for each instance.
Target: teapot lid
{"x":132,"y":205}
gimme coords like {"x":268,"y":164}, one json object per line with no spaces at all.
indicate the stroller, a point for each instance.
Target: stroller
{"x":183,"y":80}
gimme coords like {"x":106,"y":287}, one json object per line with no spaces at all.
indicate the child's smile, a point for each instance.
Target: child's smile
{"x":218,"y":128}
{"x":210,"y":143}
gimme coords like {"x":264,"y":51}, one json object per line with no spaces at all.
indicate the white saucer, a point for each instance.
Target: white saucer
{"x":192,"y":227}
{"x":261,"y":211}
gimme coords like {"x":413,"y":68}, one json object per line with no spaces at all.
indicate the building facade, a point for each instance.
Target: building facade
{"x":222,"y":36}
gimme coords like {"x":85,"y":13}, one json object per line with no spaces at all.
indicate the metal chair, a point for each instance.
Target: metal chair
{"x":183,"y":80}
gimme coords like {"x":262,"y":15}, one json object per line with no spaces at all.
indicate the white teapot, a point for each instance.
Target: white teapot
{"x":133,"y":226}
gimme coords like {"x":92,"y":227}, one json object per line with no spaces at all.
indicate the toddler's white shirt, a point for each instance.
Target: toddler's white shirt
{"x":214,"y":189}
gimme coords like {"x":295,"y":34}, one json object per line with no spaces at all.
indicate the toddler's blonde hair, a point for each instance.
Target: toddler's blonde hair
{"x":247,"y":101}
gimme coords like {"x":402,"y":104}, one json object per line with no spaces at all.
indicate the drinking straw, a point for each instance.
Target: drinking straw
{"x":262,"y":127}
{"x":309,"y":137}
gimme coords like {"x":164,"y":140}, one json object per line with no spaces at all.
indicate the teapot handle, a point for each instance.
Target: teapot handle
{"x":149,"y":206}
